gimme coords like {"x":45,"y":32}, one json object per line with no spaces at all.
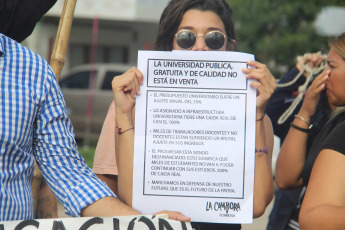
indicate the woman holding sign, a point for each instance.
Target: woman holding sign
{"x":201,"y":25}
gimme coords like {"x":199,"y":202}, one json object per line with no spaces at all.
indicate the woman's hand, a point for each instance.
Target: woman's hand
{"x":265,"y":84}
{"x":125,"y":88}
{"x":313,"y":60}
{"x":312,"y":95}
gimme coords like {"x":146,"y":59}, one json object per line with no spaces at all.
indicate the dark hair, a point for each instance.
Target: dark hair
{"x":172,"y":17}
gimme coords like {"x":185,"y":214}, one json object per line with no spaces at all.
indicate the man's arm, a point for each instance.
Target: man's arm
{"x":81,"y":192}
{"x":108,"y":206}
{"x":47,"y":203}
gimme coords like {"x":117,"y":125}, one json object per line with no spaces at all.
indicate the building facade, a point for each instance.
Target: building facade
{"x":124,"y":27}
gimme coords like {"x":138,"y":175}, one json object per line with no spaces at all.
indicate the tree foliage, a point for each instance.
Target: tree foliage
{"x":277,"y":31}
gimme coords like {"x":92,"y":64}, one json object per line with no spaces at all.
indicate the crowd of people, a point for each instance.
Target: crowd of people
{"x":35,"y":127}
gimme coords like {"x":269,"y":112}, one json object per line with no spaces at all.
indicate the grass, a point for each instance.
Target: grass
{"x":87,"y":150}
{"x":88,"y":154}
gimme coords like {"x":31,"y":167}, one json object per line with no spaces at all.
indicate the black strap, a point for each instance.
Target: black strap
{"x":299,"y":128}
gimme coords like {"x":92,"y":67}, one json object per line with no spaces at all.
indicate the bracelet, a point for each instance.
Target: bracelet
{"x":299,"y":128}
{"x":119,"y":131}
{"x":260,"y":119}
{"x":302,"y":118}
{"x":261,"y":151}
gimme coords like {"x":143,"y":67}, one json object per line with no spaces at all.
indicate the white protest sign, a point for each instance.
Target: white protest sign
{"x":97,"y":223}
{"x":195,"y":136}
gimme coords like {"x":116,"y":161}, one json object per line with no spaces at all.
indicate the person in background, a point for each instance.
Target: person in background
{"x":35,"y":126}
{"x":305,"y":140}
{"x":181,"y":20}
{"x":104,"y":163}
{"x":283,"y":212}
{"x":323,"y":206}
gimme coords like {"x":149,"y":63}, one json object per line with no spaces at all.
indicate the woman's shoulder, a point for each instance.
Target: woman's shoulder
{"x":335,"y":140}
{"x":338,"y":130}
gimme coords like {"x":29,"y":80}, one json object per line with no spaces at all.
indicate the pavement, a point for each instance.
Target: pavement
{"x":258,"y":224}
{"x":261,"y":222}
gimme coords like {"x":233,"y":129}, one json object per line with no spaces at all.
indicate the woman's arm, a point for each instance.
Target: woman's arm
{"x":324,"y":202}
{"x":125,"y":158}
{"x":292,"y":156}
{"x":125,"y":89}
{"x":263,"y":179}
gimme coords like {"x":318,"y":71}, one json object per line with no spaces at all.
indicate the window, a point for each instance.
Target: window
{"x":76,"y":81}
{"x":106,"y":85}
{"x":81,"y":54}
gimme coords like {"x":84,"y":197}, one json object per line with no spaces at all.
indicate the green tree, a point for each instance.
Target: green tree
{"x":276,"y":32}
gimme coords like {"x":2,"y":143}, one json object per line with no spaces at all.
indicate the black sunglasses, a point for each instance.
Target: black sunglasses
{"x":186,"y":39}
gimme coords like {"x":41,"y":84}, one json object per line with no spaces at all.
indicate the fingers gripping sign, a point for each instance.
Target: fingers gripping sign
{"x":265,"y":84}
{"x":125,"y":88}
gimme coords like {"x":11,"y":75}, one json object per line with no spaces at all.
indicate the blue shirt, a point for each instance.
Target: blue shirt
{"x":34,"y":125}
